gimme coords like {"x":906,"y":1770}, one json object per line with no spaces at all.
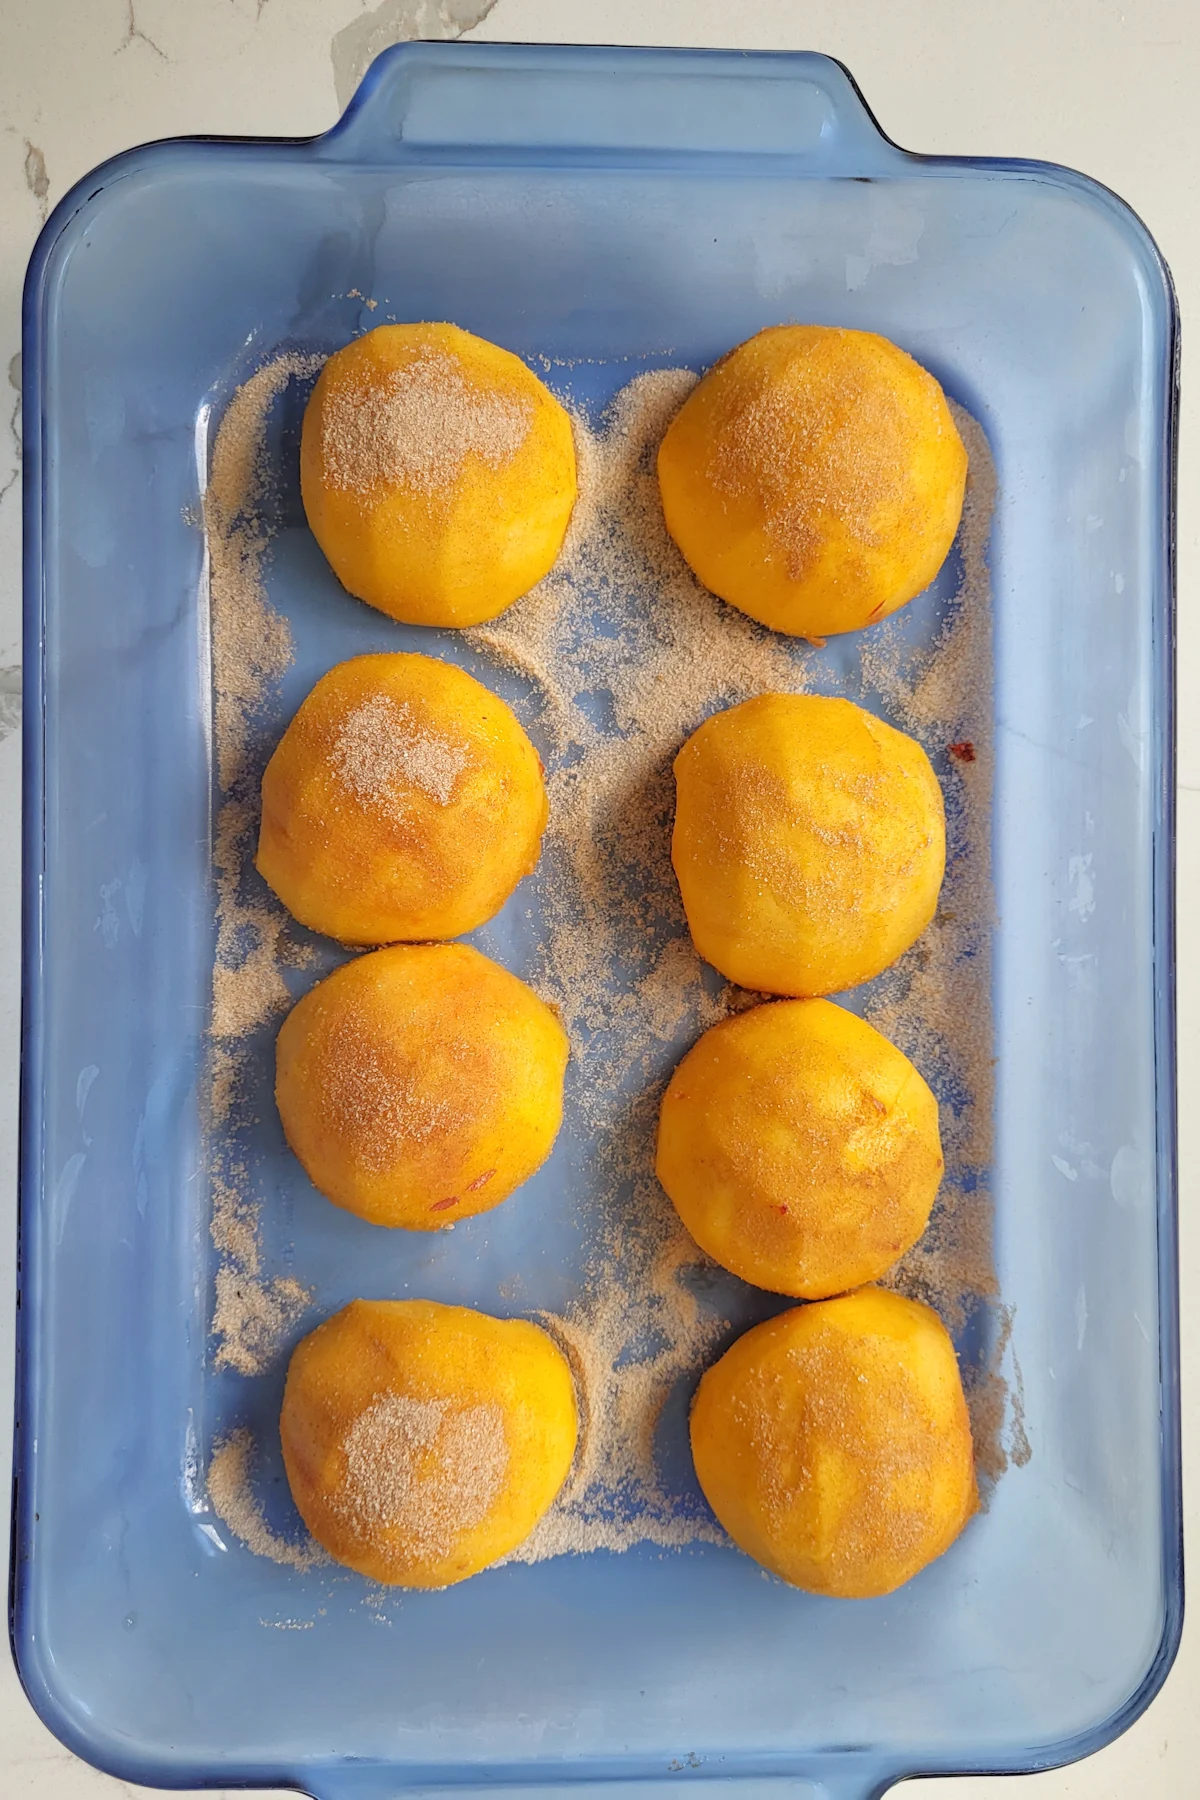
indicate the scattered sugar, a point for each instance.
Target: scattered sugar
{"x":998,"y":1410}
{"x":251,"y":642}
{"x":936,"y":1002}
{"x":252,"y":1318}
{"x":234,"y":1226}
{"x":382,"y":747}
{"x":231,"y":1491}
{"x":251,"y":648}
{"x":248,"y":988}
{"x":417,"y":427}
{"x":1018,"y":1449}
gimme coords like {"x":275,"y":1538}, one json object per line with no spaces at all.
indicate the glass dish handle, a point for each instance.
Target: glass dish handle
{"x":562,"y":102}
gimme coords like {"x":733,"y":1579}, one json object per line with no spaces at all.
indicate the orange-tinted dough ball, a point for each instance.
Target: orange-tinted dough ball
{"x":403,"y":802}
{"x":814,"y":478}
{"x":800,"y":1148}
{"x":809,"y":843}
{"x":423,"y":1442}
{"x":833,"y":1443}
{"x":438,"y":473}
{"x":420,"y":1085}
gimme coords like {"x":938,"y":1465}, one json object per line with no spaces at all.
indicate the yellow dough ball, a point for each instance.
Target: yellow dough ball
{"x":834,"y":1446}
{"x":438,"y":473}
{"x":809,"y":843}
{"x":423,"y":1442}
{"x":420,"y":1085}
{"x":403,"y":802}
{"x":814,"y":479}
{"x":800,"y":1148}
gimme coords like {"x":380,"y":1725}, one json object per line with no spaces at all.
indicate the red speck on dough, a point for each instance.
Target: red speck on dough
{"x":480,"y":1180}
{"x":964,"y":752}
{"x":441,"y":1205}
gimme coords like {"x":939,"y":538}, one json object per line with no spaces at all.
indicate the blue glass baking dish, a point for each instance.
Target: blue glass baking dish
{"x":605,"y":205}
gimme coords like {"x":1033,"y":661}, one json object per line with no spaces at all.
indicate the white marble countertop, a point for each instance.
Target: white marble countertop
{"x":1107,"y":86}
